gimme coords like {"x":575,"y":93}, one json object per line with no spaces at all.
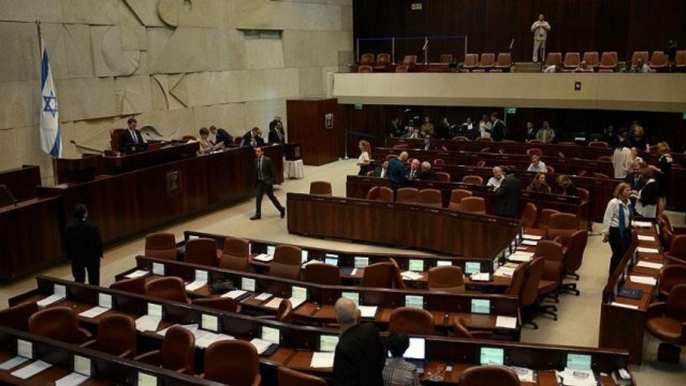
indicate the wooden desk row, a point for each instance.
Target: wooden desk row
{"x":318,"y":307}
{"x":297,"y":343}
{"x":398,"y":224}
{"x":674,"y":197}
{"x":622,"y":320}
{"x":21,"y":182}
{"x":358,"y":187}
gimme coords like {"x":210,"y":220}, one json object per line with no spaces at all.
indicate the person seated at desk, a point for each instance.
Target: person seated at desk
{"x":428,"y":144}
{"x":413,"y":133}
{"x":413,"y":173}
{"x":220,"y":136}
{"x":568,"y":187}
{"x":130,"y":136}
{"x":497,"y":177}
{"x":555,"y":68}
{"x":646,"y":198}
{"x":381,"y":171}
{"x":397,"y":370}
{"x":253,"y":138}
{"x":536,"y":165}
{"x":277,"y":134}
{"x":539,"y":184}
{"x":427,"y":173}
{"x":583,"y":67}
{"x":205,"y":145}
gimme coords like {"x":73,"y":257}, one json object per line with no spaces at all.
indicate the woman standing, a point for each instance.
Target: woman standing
{"x":621,"y":160}
{"x":663,"y":172}
{"x":617,"y":224}
{"x":485,"y":126}
{"x":646,"y":199}
{"x":365,"y":157}
{"x":539,"y":184}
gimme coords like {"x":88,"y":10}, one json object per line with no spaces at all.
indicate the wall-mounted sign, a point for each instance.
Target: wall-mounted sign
{"x":416,"y":6}
{"x":328,"y":121}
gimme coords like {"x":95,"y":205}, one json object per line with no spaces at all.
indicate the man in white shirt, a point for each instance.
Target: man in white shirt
{"x":536,"y":166}
{"x":540,"y":29}
{"x":497,"y":177}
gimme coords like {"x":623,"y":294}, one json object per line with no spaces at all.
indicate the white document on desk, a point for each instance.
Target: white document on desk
{"x":643,"y":280}
{"x":260,"y":345}
{"x":532,"y":237}
{"x":136,"y":273}
{"x":195,"y":285}
{"x":532,"y":243}
{"x":524,"y":374}
{"x":73,"y":379}
{"x":410,"y":275}
{"x":322,"y":360}
{"x":647,"y":250}
{"x":295,"y":302}
{"x":504,"y":272}
{"x":368,"y":311}
{"x":12,"y":363}
{"x":484,"y":276}
{"x":235,"y":294}
{"x":623,"y":305}
{"x":52,"y":299}
{"x":274,"y":303}
{"x":264,"y":257}
{"x":263,"y":296}
{"x":647,"y":264}
{"x":642,"y":224}
{"x":520,"y":257}
{"x":506,"y":322}
{"x":148,"y":323}
{"x":645,"y":238}
{"x":31,"y":370}
{"x":94,"y":312}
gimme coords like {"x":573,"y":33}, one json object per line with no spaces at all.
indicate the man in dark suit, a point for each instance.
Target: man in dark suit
{"x":221,"y":136}
{"x":253,"y":138}
{"x":83,"y":245}
{"x":507,"y":196}
{"x":359,"y":356}
{"x":394,"y":128}
{"x":499,"y":130}
{"x":276,"y":121}
{"x":427,"y":173}
{"x":635,"y":178}
{"x":428,"y":144}
{"x":414,"y":171}
{"x":381,"y":171}
{"x":277,"y":134}
{"x":130,"y":135}
{"x":396,"y":171}
{"x":265,"y":179}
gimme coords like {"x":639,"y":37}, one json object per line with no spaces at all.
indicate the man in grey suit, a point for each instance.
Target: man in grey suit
{"x":265,"y":179}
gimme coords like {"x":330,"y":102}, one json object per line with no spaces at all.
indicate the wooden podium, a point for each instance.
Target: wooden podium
{"x":313,"y":123}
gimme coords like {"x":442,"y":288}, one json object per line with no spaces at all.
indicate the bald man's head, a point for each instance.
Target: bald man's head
{"x":403,"y":156}
{"x":346,"y":312}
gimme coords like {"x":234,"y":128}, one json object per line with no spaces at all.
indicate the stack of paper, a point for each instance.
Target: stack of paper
{"x":368,"y":311}
{"x":73,"y":379}
{"x":322,"y":360}
{"x":645,"y":238}
{"x":94,"y":312}
{"x":263,"y":296}
{"x":409,"y":275}
{"x":260,"y":345}
{"x":235,"y":294}
{"x":12,"y":363}
{"x":643,"y":280}
{"x":506,"y":322}
{"x":522,"y":257}
{"x":137,"y":273}
{"x":51,"y":300}
{"x":31,"y":370}
{"x":195,"y":285}
{"x":647,"y":264}
{"x":524,"y":374}
{"x":642,"y":224}
{"x":504,"y":271}
{"x":530,"y":242}
{"x":148,"y":323}
{"x":264,"y":257}
{"x":204,"y":339}
{"x":532,"y":237}
{"x":480,"y":277}
{"x":570,"y":377}
{"x":648,"y":250}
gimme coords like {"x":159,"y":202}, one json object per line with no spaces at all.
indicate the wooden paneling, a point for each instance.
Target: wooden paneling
{"x":320,"y":145}
{"x":21,"y":182}
{"x":624,"y":26}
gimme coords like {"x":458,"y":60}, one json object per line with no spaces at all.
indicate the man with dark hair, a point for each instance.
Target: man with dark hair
{"x":130,"y":135}
{"x":277,"y":134}
{"x":83,"y":245}
{"x":253,"y":138}
{"x":507,"y":195}
{"x":498,"y":131}
{"x":221,"y":136}
{"x":264,"y":182}
{"x":397,"y":370}
{"x":359,"y":356}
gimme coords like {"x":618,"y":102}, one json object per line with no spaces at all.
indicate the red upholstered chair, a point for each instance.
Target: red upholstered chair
{"x":456,"y":197}
{"x":236,"y":254}
{"x":284,"y":313}
{"x":439,"y":162}
{"x":552,"y":273}
{"x":410,"y":60}
{"x":460,"y":330}
{"x":321,"y":188}
{"x":487,"y":61}
{"x":367,"y":59}
{"x":383,"y":61}
{"x":169,"y":288}
{"x":473,"y":205}
{"x":430,"y":197}
{"x":553,"y":59}
{"x":161,"y":246}
{"x":671,"y":275}
{"x":320,"y":273}
{"x":667,"y":320}
{"x":365,"y":69}
{"x":116,"y":336}
{"x":17,"y":317}
{"x":544,"y":218}
{"x":677,"y":250}
{"x":288,"y":377}
{"x":484,"y":139}
{"x":135,"y":285}
{"x":528,"y":293}
{"x":562,"y":225}
{"x":218,"y":303}
{"x":489,"y":375}
{"x":443,"y":176}
{"x":573,"y":259}
{"x":481,"y":163}
{"x":471,"y":179}
{"x":591,"y":59}
{"x":286,"y":262}
{"x":411,"y":321}
{"x":658,"y":60}
{"x":408,"y":195}
{"x":460,"y":138}
{"x":385,"y":194}
{"x":608,"y":61}
{"x":534,"y":151}
{"x":378,"y":275}
{"x":571,"y":60}
{"x":402,"y":68}
{"x":504,"y":61}
{"x":115,"y":138}
{"x":59,"y":323}
{"x":445,"y":58}
{"x":680,"y":60}
{"x":373,"y":193}
{"x":471,"y":61}
{"x":584,"y":194}
{"x":177,"y":352}
{"x":232,"y":362}
{"x":446,"y":279}
{"x":643,"y":55}
{"x":201,"y":251}
{"x":529,"y":215}
{"x":518,"y":278}
{"x":601,"y":145}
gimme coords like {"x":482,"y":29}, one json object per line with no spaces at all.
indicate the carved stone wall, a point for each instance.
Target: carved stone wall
{"x":176,"y":65}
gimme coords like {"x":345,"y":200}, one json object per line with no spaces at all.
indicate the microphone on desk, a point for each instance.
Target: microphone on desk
{"x":85,"y":147}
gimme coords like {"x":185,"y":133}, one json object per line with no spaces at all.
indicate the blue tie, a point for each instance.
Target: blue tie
{"x":622,"y":227}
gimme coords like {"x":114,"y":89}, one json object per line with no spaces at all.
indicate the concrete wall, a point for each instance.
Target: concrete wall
{"x":175,"y":64}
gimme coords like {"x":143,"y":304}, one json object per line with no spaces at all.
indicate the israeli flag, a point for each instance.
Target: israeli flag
{"x":50,"y":133}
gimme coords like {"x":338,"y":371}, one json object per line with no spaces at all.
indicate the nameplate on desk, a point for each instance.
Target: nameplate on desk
{"x":642,"y":224}
{"x":532,"y":237}
{"x":532,"y":243}
{"x":623,"y":305}
{"x":158,"y":269}
{"x":263,"y":296}
{"x":271,"y":334}
{"x":354,"y":296}
{"x":146,"y":380}
{"x":647,"y":264}
{"x":136,"y":274}
{"x":248,"y":284}
{"x":416,"y":265}
{"x":643,"y":280}
{"x":82,"y":365}
{"x":209,"y":322}
{"x":24,"y":348}
{"x":414,"y":301}
{"x":304,"y":255}
{"x":443,"y":263}
{"x":361,"y":262}
{"x":645,"y":238}
{"x":471,"y":268}
{"x":647,"y":250}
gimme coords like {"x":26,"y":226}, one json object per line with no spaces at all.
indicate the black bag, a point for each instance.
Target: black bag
{"x":221,"y":286}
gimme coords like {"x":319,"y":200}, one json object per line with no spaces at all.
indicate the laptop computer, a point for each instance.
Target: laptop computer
{"x":416,"y":353}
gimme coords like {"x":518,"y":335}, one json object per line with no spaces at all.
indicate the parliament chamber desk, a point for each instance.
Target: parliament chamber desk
{"x":358,"y":187}
{"x":623,"y":320}
{"x":21,"y":183}
{"x":318,"y":307}
{"x":551,"y":151}
{"x":298,"y":343}
{"x":415,"y":226}
{"x":131,"y":202}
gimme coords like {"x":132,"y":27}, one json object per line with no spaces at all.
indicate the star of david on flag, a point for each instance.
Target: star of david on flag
{"x":50,"y":133}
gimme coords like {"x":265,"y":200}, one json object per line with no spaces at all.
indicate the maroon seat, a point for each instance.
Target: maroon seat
{"x":232,"y":362}
{"x":236,"y":254}
{"x":177,"y":352}
{"x":169,"y":288}
{"x":59,"y":323}
{"x":160,"y":246}
{"x":116,"y":336}
{"x":201,"y":251}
